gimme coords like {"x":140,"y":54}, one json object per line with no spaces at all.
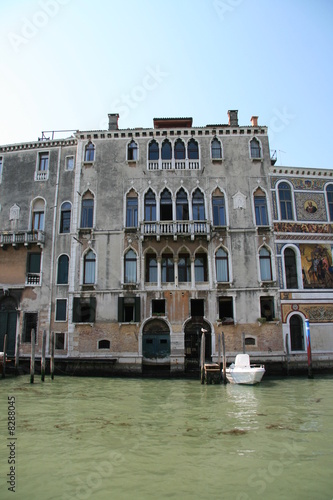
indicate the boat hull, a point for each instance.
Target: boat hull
{"x":247,"y":376}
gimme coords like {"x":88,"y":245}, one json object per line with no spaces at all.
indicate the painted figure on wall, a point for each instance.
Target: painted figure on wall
{"x":317,"y":267}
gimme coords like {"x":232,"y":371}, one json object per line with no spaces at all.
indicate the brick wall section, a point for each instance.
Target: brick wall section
{"x":268,"y":337}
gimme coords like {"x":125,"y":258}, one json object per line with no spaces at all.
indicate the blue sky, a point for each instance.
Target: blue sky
{"x":66,"y":64}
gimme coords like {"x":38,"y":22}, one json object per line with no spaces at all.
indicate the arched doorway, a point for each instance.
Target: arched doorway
{"x":8,"y":319}
{"x":193,"y":332}
{"x":156,"y":342}
{"x":296,"y":333}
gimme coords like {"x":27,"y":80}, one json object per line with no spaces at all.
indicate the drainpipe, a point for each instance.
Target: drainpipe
{"x":54,"y":230}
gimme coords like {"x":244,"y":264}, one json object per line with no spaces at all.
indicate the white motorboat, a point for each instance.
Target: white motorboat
{"x":242,"y":372}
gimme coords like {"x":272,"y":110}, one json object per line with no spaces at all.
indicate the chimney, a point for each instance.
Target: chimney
{"x":254,"y":121}
{"x":113,"y":121}
{"x":233,"y":118}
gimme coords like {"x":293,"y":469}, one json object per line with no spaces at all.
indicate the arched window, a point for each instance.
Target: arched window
{"x":200,"y":267}
{"x":296,"y":333}
{"x":87,"y":211}
{"x":221,"y":261}
{"x":265,"y":265}
{"x":329,"y":194}
{"x":130,"y":267}
{"x":218,"y":210}
{"x":166,"y":150}
{"x":184,"y":268}
{"x":150,"y":206}
{"x":132,"y":209}
{"x":260,"y":208}
{"x":255,"y":148}
{"x":179,"y":150}
{"x":167,"y":267}
{"x":198,"y":205}
{"x":89,"y":268}
{"x":285,"y":201}
{"x":192,"y":150}
{"x":166,"y":205}
{"x":38,"y":215}
{"x":65,"y":217}
{"x":62,"y":274}
{"x":89,"y":153}
{"x":153,"y":151}
{"x":216,"y":149}
{"x":132,"y":151}
{"x":151,"y":268}
{"x":290,"y":266}
{"x":182,"y":205}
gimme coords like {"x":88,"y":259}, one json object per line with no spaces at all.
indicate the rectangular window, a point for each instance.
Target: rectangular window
{"x":218,"y":211}
{"x":261,"y":210}
{"x":43,"y":162}
{"x":168,"y":270}
{"x":132,"y":212}
{"x":158,"y":307}
{"x":184,"y":268}
{"x":61,"y":310}
{"x":59,"y":341}
{"x":200,"y":267}
{"x":267,"y":308}
{"x":33,"y":268}
{"x":29,"y":324}
{"x":128,"y":309}
{"x":151,"y":268}
{"x":87,"y":215}
{"x":226,"y":313}
{"x":84,"y":310}
{"x":38,"y":221}
{"x":69,"y":163}
{"x":197,"y":307}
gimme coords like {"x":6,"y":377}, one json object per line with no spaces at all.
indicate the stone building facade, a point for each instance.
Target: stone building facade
{"x":128,"y":243}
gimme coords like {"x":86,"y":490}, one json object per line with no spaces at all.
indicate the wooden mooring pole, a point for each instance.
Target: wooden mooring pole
{"x":224,"y":373}
{"x":42,"y":362}
{"x":17,"y":353}
{"x":4,"y":356}
{"x":52,"y":356}
{"x":32,"y":359}
{"x":243,"y":343}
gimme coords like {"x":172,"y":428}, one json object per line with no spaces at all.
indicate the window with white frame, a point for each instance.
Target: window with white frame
{"x":132,"y":151}
{"x":285,"y":199}
{"x":69,"y":163}
{"x":222,"y":268}
{"x":265,"y":264}
{"x":130,"y":267}
{"x":89,"y":269}
{"x":89,"y":152}
{"x":38,"y":215}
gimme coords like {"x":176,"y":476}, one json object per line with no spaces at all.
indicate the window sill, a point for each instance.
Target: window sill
{"x":88,"y":163}
{"x":217,"y":160}
{"x":132,"y":163}
{"x":256,"y":159}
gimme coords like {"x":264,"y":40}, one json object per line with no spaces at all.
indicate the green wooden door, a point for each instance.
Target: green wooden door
{"x":8,"y":325}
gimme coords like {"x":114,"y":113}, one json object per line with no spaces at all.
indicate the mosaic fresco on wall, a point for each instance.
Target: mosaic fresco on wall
{"x":301,"y":183}
{"x":291,"y":227}
{"x":317,"y":267}
{"x":310,"y":206}
{"x":315,"y":313}
{"x":275,"y":213}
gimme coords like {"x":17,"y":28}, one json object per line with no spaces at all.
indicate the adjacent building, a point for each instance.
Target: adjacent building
{"x":126,"y":244}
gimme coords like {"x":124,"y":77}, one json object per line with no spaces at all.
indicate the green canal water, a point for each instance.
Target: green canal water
{"x":114,"y":438}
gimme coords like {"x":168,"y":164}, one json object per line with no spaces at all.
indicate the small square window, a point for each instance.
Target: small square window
{"x":69,"y":163}
{"x":158,"y":307}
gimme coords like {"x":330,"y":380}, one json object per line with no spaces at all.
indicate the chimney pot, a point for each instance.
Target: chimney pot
{"x":113,"y":121}
{"x":254,"y":121}
{"x":233,"y":118}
